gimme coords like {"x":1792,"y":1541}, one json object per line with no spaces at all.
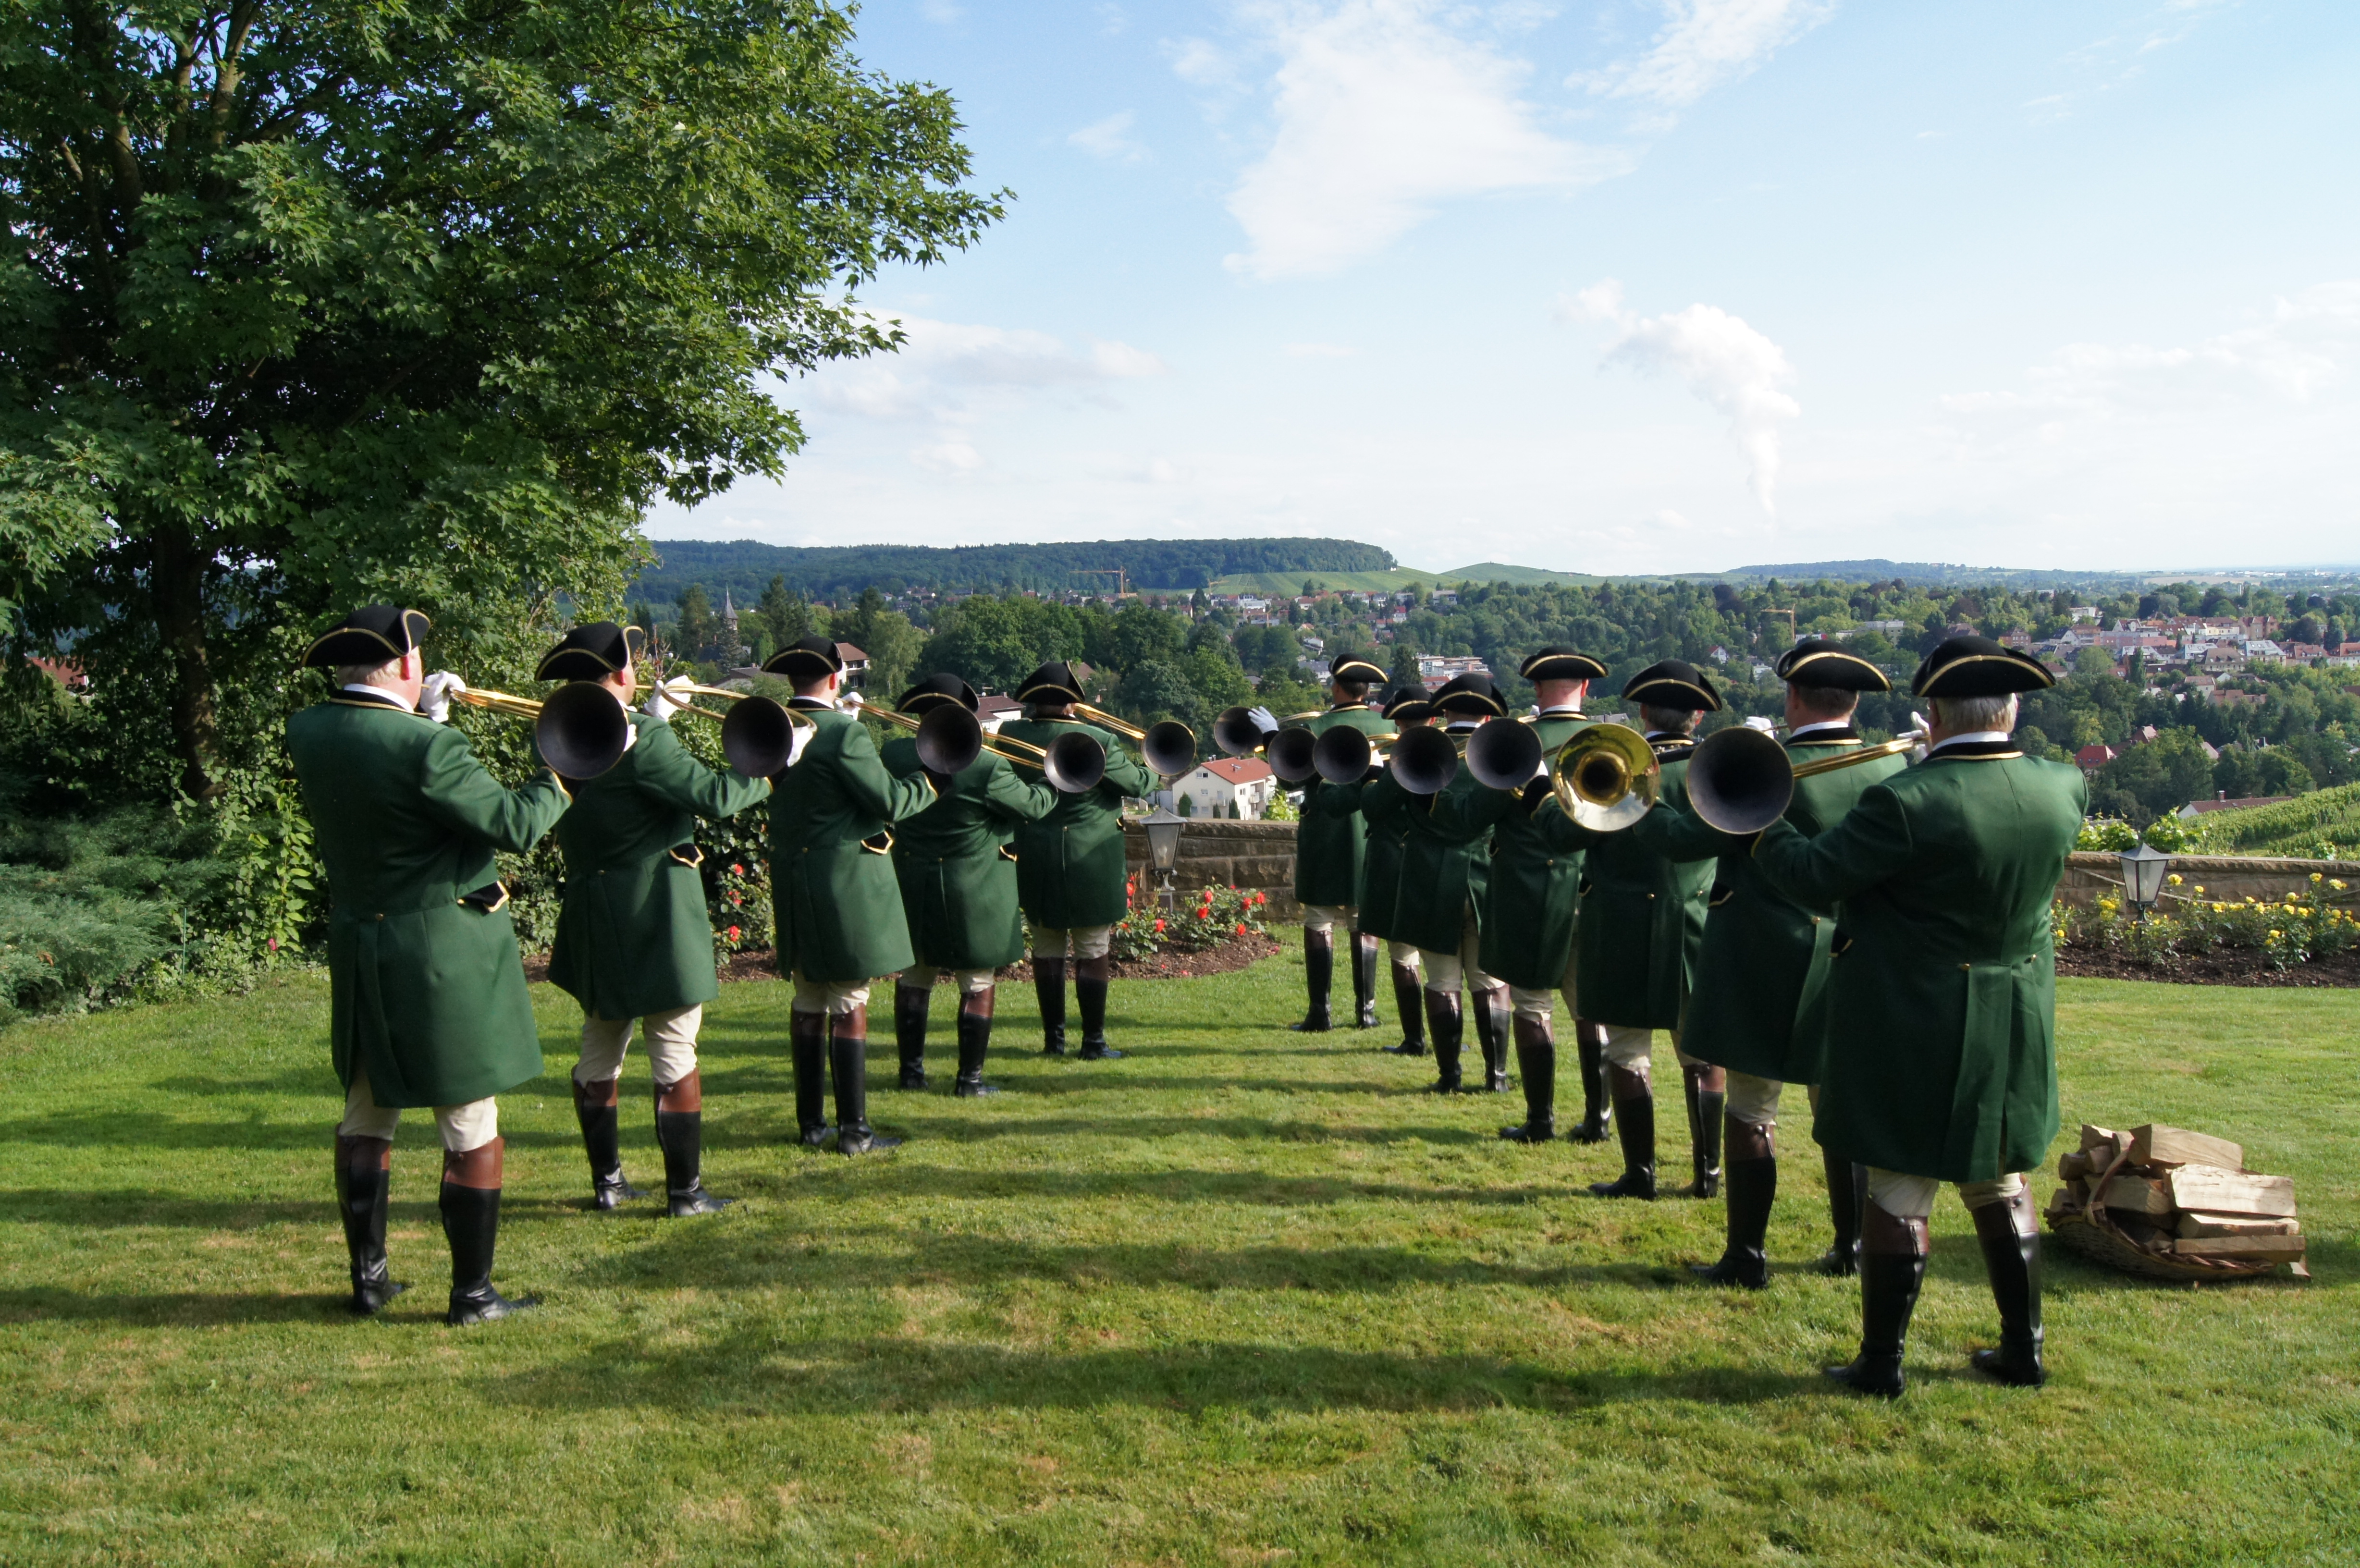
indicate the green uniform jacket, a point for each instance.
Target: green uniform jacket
{"x":956,"y":869}
{"x":428,"y":993}
{"x":1941,"y":1045}
{"x":1642,"y":918}
{"x":1069,"y":864}
{"x":1383,"y":808}
{"x":1534,"y":890}
{"x":1446,"y":865}
{"x":833,"y":893}
{"x":634,"y":936}
{"x":1328,"y":844}
{"x":1760,"y":1002}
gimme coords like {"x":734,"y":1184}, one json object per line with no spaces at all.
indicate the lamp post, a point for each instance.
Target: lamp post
{"x":1164,"y":825}
{"x":2143,"y":869}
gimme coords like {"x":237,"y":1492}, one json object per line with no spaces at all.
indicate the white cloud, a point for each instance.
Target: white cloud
{"x":1705,"y":43}
{"x":1198,"y":62}
{"x":1724,"y":361}
{"x":953,"y":457}
{"x":2305,"y":346}
{"x":1382,"y":112}
{"x":1109,"y":139}
{"x":952,"y":367}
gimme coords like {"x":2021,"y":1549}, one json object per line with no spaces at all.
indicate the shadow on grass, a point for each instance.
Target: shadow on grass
{"x":757,"y":1372}
{"x":188,"y":1309}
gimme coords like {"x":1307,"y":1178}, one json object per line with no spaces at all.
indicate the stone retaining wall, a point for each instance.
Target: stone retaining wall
{"x":1259,"y":856}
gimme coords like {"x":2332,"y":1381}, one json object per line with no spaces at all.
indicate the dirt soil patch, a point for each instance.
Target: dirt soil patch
{"x":2230,"y":967}
{"x":762,"y":964}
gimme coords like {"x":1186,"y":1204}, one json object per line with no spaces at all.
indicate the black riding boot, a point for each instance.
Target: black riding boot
{"x":807,"y":1038}
{"x":1536,"y":1060}
{"x":910,"y":1006}
{"x":1847,"y":1191}
{"x":1491,"y":1010}
{"x":1410,"y":1003}
{"x":1049,"y":986}
{"x":679,"y":1133}
{"x":2010,"y":1234}
{"x":973,"y":1045}
{"x":1634,"y":1112}
{"x":1364,"y":981}
{"x":594,"y":1108}
{"x":1448,"y":1024}
{"x":1706,"y":1108}
{"x":847,"y":1064}
{"x":1318,"y":977}
{"x":1596,"y":1110}
{"x":471,"y":1224}
{"x":1892,"y":1270}
{"x":1090,"y":994}
{"x":363,"y":1176}
{"x":1753,"y":1189}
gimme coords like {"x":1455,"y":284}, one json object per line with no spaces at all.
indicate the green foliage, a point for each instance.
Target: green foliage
{"x":317,"y":304}
{"x":842,"y":570}
{"x":886,"y":635}
{"x":2324,"y":826}
{"x":2153,"y":780}
{"x":2296,"y":929}
{"x":1201,"y":918}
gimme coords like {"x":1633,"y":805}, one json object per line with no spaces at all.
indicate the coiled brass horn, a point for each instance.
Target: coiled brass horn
{"x":1741,"y":779}
{"x":581,"y":730}
{"x":1423,"y":761}
{"x":1606,"y":777}
{"x":1504,"y":755}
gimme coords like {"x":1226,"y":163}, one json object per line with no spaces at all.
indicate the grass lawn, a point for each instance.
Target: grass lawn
{"x":1244,"y":1297}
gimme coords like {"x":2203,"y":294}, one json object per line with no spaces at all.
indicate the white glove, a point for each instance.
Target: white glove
{"x":1756,"y":722}
{"x":434,"y":696}
{"x":662,"y":701}
{"x":849,"y":699}
{"x":1923,"y":733}
{"x":1265,"y":720}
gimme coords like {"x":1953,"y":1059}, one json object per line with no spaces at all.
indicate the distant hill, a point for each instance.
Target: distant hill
{"x":745,"y":567}
{"x":1916,"y":572}
{"x":1398,"y":578}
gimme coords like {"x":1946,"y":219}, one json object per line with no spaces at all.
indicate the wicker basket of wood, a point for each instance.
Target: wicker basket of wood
{"x":2174,"y":1204}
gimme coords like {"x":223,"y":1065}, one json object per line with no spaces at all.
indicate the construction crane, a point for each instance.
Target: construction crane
{"x":1122,"y":578}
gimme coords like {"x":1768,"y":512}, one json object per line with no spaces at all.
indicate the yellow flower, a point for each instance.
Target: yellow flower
{"x":2174,"y":880}
{"x":2337,"y":884}
{"x":2276,"y":935}
{"x":2217,"y":909}
{"x":2314,"y":876}
{"x":2199,"y":890}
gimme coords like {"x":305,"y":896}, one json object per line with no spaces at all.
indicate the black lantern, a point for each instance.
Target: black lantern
{"x":2143,"y":869}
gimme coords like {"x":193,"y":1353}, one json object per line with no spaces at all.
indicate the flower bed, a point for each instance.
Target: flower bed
{"x":2192,"y":937}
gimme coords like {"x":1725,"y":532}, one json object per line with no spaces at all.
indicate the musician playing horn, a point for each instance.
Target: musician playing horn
{"x":1446,"y":865}
{"x":430,"y":1007}
{"x":1070,"y":874}
{"x":1941,"y":1062}
{"x":1759,"y":1008}
{"x":1384,"y":810}
{"x":633,"y":938}
{"x":834,"y":897}
{"x":957,"y":871}
{"x":1328,"y":847}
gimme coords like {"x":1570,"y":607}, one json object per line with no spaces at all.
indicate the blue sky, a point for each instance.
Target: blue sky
{"x":1642,"y":285}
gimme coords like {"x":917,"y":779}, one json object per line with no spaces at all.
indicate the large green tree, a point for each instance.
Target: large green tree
{"x":315,"y":301}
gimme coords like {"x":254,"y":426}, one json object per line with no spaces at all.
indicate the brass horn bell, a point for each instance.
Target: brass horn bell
{"x":1425,"y":761}
{"x":1504,"y":755}
{"x":1606,"y":777}
{"x":1740,"y":780}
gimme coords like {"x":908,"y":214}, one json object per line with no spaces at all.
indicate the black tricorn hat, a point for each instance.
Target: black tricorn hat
{"x":1673,"y":683}
{"x":938,"y":688}
{"x":1354,"y":669}
{"x":1815,"y":661}
{"x":1471,"y":693}
{"x":1559,"y":663}
{"x":370,"y":635}
{"x":1408,"y":704}
{"x":1053,"y":682}
{"x":1978,"y":667}
{"x":805,"y":658}
{"x":591,"y":652}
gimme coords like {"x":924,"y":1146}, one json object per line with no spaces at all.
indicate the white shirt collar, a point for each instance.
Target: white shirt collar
{"x":1801,"y":730}
{"x":1974,"y":737}
{"x":383,"y":694}
{"x":1562,"y":710}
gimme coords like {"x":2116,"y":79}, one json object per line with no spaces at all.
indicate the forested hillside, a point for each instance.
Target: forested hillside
{"x":743,"y":567}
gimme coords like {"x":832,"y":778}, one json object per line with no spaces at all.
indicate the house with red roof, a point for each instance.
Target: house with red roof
{"x":1239,"y":787}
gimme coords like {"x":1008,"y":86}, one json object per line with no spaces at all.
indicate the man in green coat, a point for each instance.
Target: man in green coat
{"x":1641,"y":924}
{"x":634,"y":940}
{"x":1941,"y":1062}
{"x":1383,"y":808}
{"x":834,"y":897}
{"x":1446,"y":865}
{"x":957,"y":867}
{"x":1535,"y":889}
{"x":1070,"y":876}
{"x":1758,"y":1010}
{"x":429,"y":1005}
{"x":1327,"y":850}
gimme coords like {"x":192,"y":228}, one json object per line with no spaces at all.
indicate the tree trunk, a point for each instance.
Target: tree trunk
{"x":176,"y":582}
